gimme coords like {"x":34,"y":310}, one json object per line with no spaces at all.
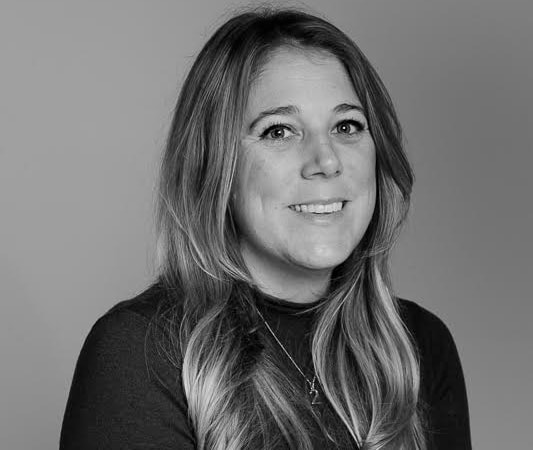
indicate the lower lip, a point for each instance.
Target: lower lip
{"x":321,"y":218}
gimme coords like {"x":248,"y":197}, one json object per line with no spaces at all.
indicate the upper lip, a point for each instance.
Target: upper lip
{"x":321,"y":201}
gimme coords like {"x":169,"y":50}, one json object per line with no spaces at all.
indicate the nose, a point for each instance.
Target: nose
{"x":321,"y":158}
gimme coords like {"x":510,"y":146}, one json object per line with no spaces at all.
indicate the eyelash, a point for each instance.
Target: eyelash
{"x":268,"y":129}
{"x":360,"y":127}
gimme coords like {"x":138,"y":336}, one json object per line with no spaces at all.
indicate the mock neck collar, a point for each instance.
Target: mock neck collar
{"x":285,"y":306}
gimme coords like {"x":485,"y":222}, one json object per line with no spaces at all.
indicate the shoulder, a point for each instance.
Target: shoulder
{"x":440,"y":364}
{"x":123,"y":326}
{"x":442,"y":382}
{"x":433,"y":340}
{"x":130,"y":338}
{"x":126,"y":390}
{"x":144,"y":305}
{"x":426,"y":328}
{"x":135,"y":317}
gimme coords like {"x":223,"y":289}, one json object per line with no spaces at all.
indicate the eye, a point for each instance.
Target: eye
{"x":349,"y":127}
{"x":276,"y":132}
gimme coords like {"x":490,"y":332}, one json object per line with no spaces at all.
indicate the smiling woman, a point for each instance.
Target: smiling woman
{"x":272,"y":324}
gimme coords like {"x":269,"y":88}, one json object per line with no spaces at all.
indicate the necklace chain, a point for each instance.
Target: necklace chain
{"x":312,"y":389}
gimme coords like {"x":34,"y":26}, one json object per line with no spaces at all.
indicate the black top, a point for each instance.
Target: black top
{"x":126,"y":395}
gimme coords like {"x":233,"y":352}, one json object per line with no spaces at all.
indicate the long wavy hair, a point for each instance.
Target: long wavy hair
{"x":237,"y":392}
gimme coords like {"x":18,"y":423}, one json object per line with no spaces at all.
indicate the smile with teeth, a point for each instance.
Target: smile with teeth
{"x":318,"y":209}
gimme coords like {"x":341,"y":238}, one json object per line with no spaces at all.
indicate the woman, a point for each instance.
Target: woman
{"x":272,"y":323}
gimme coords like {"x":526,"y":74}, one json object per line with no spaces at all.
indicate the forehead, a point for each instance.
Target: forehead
{"x":298,"y":75}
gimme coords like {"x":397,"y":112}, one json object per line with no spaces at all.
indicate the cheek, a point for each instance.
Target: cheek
{"x":361,"y":169}
{"x":260,"y":180}
{"x":257,"y":191}
{"x":259,"y":198}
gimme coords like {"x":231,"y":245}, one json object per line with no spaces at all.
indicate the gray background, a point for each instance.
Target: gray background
{"x":86,"y":95}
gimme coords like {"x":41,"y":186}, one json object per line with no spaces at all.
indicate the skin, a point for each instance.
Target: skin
{"x":311,"y":151}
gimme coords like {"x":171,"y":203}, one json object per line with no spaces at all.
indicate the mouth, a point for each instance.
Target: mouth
{"x":321,"y":208}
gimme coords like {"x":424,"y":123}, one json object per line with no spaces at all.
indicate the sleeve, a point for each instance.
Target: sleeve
{"x":123,"y":395}
{"x":449,"y":421}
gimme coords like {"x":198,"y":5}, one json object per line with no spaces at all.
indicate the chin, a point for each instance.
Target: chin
{"x":321,"y":261}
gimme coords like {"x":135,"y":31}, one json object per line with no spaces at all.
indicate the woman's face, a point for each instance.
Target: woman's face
{"x":305,"y":151}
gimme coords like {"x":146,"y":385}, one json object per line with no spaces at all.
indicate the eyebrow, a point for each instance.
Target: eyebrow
{"x":291,"y":109}
{"x":278,"y":111}
{"x":345,"y":107}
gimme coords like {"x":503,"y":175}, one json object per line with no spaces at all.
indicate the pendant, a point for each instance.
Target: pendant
{"x":314,"y":392}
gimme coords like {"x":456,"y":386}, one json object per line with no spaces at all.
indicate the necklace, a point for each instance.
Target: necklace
{"x":313,"y":391}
